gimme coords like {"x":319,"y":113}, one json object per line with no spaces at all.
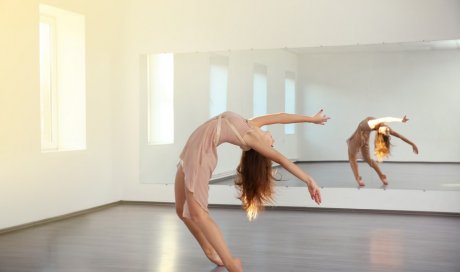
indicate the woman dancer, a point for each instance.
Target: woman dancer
{"x":359,"y":142}
{"x":254,"y":174}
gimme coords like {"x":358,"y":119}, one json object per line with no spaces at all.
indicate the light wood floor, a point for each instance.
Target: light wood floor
{"x":151,"y":238}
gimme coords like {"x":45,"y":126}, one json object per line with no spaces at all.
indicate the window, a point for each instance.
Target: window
{"x":260,"y":90}
{"x":62,"y":80}
{"x":218,"y":85}
{"x":289,"y":100}
{"x":48,"y":101}
{"x":160,"y":77}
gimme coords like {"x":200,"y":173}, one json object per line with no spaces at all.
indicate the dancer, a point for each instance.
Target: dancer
{"x":359,"y":142}
{"x":254,"y":174}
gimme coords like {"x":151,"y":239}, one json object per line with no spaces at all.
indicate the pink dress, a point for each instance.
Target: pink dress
{"x":199,"y":156}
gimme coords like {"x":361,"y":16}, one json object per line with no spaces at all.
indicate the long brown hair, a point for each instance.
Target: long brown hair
{"x":255,"y":182}
{"x":382,"y":146}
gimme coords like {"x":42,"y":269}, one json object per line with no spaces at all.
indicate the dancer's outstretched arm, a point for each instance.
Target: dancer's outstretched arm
{"x":374,"y":122}
{"x":288,"y":118}
{"x":396,"y":134}
{"x":253,"y":139}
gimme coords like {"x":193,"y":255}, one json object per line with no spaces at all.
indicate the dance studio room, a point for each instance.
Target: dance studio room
{"x":218,"y":135}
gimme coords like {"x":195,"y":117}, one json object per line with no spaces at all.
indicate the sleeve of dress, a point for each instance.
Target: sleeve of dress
{"x":372,"y":123}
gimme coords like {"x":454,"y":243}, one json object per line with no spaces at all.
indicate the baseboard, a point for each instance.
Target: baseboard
{"x":224,"y":206}
{"x":153,"y":203}
{"x":58,"y":218}
{"x":307,"y":209}
{"x":364,"y":211}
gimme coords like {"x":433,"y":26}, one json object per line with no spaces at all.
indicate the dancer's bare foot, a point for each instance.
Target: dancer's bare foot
{"x":360,"y":181}
{"x":213,"y":257}
{"x":384,"y":180}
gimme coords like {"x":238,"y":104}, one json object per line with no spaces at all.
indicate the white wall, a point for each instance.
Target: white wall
{"x":208,"y":25}
{"x":351,"y":86}
{"x":35,"y":185}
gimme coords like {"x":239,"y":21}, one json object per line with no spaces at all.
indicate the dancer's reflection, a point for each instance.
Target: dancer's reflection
{"x":359,"y":143}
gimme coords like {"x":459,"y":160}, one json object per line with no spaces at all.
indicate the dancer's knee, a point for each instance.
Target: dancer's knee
{"x":196,"y":218}
{"x":369,"y":161}
{"x":372,"y":163}
{"x":197,"y":215}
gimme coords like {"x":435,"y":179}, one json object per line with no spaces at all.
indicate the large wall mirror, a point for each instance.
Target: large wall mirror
{"x":417,"y":79}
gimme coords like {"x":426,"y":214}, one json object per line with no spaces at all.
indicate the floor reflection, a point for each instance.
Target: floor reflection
{"x":386,"y":249}
{"x":168,"y":241}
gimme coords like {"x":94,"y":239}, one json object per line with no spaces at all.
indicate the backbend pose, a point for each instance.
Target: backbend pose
{"x":254,"y":174}
{"x":359,"y":142}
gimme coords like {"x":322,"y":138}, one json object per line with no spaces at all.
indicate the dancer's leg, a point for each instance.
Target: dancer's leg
{"x":354,"y":168}
{"x":212,"y":233}
{"x":179,"y":189}
{"x":373,"y":164}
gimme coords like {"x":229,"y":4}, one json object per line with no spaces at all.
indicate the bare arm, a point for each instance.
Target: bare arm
{"x":396,"y":134}
{"x":374,"y":122}
{"x":287,"y":118}
{"x":253,"y":139}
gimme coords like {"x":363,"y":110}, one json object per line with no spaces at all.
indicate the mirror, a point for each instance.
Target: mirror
{"x":418,"y":79}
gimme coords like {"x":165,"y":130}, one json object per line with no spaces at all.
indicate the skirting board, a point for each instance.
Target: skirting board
{"x":304,"y":209}
{"x":58,"y":218}
{"x":440,"y":203}
{"x":337,"y":198}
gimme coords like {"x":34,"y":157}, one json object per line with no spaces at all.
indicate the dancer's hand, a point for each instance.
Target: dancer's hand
{"x":314,"y":192}
{"x":320,"y":118}
{"x":415,"y":149}
{"x":405,"y":119}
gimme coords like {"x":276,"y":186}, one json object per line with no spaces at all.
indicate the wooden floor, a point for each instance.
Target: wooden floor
{"x":151,"y":238}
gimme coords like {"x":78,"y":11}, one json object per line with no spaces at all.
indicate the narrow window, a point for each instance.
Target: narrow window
{"x":62,"y":79}
{"x":160,"y":99}
{"x":218,"y":85}
{"x":48,"y":101}
{"x":260,"y":90}
{"x":289,"y":100}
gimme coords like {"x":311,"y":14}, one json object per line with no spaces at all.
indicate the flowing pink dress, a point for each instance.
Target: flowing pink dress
{"x":199,"y":156}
